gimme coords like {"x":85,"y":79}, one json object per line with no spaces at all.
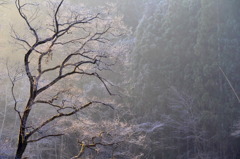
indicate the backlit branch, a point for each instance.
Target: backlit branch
{"x":13,"y":81}
{"x":93,"y":145}
{"x":44,"y":137}
{"x":56,"y":117}
{"x":72,"y":44}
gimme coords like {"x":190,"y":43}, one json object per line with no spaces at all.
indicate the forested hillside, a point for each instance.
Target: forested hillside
{"x":183,"y":49}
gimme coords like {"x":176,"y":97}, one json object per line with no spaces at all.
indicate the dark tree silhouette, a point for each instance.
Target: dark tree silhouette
{"x":72,"y":44}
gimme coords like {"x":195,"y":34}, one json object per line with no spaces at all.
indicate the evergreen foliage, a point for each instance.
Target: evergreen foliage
{"x":182,"y":45}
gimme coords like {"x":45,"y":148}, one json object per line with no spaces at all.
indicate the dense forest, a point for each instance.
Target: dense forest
{"x":166,"y":87}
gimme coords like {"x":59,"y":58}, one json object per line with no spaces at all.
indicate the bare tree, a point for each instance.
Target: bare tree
{"x":185,"y":124}
{"x":105,"y":139}
{"x":70,"y":43}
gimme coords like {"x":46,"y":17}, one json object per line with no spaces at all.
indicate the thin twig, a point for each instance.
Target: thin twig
{"x":230,"y":84}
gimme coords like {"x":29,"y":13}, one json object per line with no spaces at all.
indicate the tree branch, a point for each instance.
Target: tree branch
{"x":12,"y":92}
{"x":225,"y":76}
{"x":56,"y":117}
{"x":47,"y":136}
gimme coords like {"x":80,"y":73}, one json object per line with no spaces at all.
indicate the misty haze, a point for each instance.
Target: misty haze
{"x":120,"y":79}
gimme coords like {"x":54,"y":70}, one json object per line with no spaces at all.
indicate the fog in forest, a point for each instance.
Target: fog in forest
{"x":120,"y":79}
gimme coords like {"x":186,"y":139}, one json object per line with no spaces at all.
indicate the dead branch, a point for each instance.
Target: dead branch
{"x":44,"y":137}
{"x":230,"y":84}
{"x":83,"y":54}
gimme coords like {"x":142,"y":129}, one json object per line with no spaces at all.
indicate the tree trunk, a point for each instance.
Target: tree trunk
{"x":22,"y":144}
